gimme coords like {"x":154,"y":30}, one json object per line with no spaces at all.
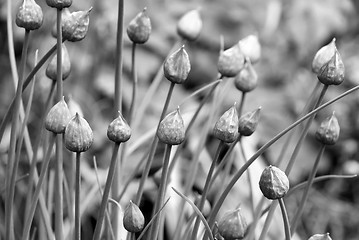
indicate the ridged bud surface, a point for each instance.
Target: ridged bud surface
{"x":119,"y":131}
{"x":273,"y":183}
{"x":248,"y":122}
{"x":78,"y":134}
{"x":171,"y":129}
{"x":177,"y":66}
{"x":323,"y":56}
{"x":231,"y":61}
{"x":232,"y":225}
{"x":247,"y":79}
{"x":226,"y":128}
{"x":332,"y":73}
{"x":29,"y":15}
{"x":75,"y":25}
{"x":139,"y":29}
{"x":328,"y":131}
{"x":133,"y":219}
{"x":58,"y":117}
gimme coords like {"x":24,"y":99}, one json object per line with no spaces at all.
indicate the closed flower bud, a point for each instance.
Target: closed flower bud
{"x":75,"y":25}
{"x":231,"y":61}
{"x":29,"y":15}
{"x":119,"y":131}
{"x":323,"y":56}
{"x":248,"y":122}
{"x":332,"y":73}
{"x":232,"y":225}
{"x":189,"y":26}
{"x":320,"y":237}
{"x":133,"y":219}
{"x":78,"y":134}
{"x":226,"y":128}
{"x":177,"y":66}
{"x":273,"y":183}
{"x":58,"y":117}
{"x":171,"y":129}
{"x":247,"y":79}
{"x":139,"y":29}
{"x":59,"y":4}
{"x":328,"y":132}
{"x":51,"y":70}
{"x":251,"y":48}
{"x":65,"y":13}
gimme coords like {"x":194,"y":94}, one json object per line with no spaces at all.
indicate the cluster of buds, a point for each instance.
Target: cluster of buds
{"x":273,"y":183}
{"x":171,"y":129}
{"x":226,"y":128}
{"x":133,"y":219}
{"x":232,"y":225}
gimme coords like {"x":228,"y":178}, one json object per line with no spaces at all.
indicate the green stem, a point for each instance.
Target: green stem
{"x":206,"y":188}
{"x":240,"y":108}
{"x":35,"y":198}
{"x":285,"y":219}
{"x":106,"y":193}
{"x":134,"y":83}
{"x":153,"y":149}
{"x":14,"y":129}
{"x":239,"y":173}
{"x":161,"y":192}
{"x":299,"y":211}
{"x":77,"y":197}
{"x":118,"y":59}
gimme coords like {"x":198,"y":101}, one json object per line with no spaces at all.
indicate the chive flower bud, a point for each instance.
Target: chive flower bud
{"x":247,"y":79}
{"x":58,"y":117}
{"x":29,"y":15}
{"x":177,"y":66}
{"x":133,"y":219}
{"x":78,"y":134}
{"x":328,"y":132}
{"x":119,"y":131}
{"x":332,"y":73}
{"x":320,"y":237}
{"x":139,"y":29}
{"x":226,"y":128}
{"x":190,"y":24}
{"x":171,"y":129}
{"x":323,"y":56}
{"x":51,"y":70}
{"x":75,"y":25}
{"x":251,"y":48}
{"x":232,"y":225}
{"x":231,"y":61}
{"x":248,"y":122}
{"x":59,"y":4}
{"x":273,"y":183}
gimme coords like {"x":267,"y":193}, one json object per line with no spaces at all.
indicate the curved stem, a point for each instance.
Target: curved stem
{"x":153,"y":148}
{"x":134,"y":83}
{"x":206,"y":189}
{"x":299,"y":211}
{"x":106,"y":193}
{"x":77,"y":197}
{"x":285,"y":219}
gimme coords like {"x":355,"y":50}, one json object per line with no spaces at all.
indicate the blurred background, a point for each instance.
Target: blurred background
{"x":290,"y":33}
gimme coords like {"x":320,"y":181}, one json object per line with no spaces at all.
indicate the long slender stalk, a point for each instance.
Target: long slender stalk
{"x":106,"y":193}
{"x":14,"y":129}
{"x":260,"y":151}
{"x":134,"y":83}
{"x":77,"y":197}
{"x":45,"y":164}
{"x":153,"y":149}
{"x":304,"y":198}
{"x":206,"y":188}
{"x":161,"y":192}
{"x":285,"y":219}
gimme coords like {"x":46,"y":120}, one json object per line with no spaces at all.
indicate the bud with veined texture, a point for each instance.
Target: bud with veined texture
{"x":51,"y":70}
{"x":328,"y":132}
{"x":320,"y":237}
{"x":29,"y":15}
{"x":231,"y":61}
{"x":226,"y":128}
{"x":273,"y":183}
{"x":139,"y":29}
{"x":247,"y":79}
{"x":251,"y":48}
{"x":133,"y":219}
{"x":232,"y":225}
{"x":332,"y":73}
{"x":323,"y":56}
{"x":171,"y":129}
{"x":58,"y":117}
{"x":119,"y":131}
{"x":59,"y":4}
{"x":78,"y":135}
{"x":190,"y":25}
{"x":177,"y":66}
{"x":75,"y":25}
{"x":248,"y":122}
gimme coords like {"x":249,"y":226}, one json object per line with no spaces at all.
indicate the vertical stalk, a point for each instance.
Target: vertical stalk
{"x":106,"y":193}
{"x":285,"y":219}
{"x":134,"y":83}
{"x":77,"y":197}
{"x":299,"y":211}
{"x":14,"y":129}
